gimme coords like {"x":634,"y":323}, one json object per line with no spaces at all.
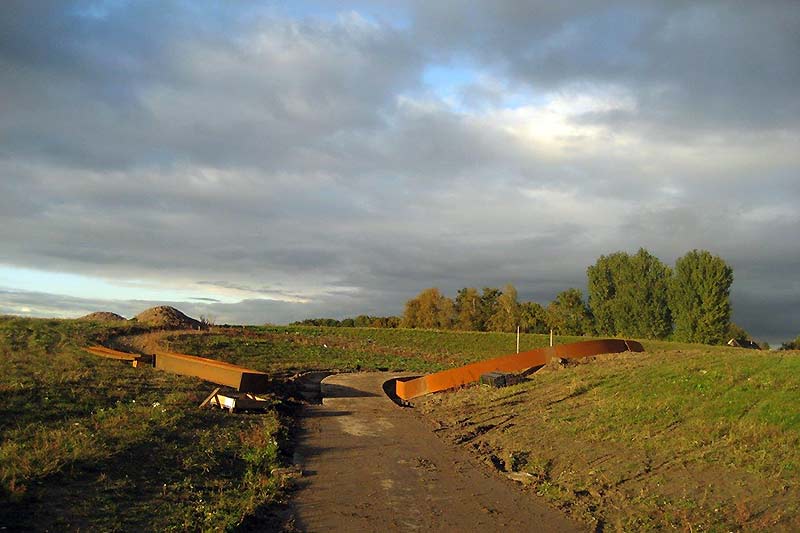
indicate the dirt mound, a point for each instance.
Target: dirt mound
{"x":166,"y":317}
{"x":103,"y":316}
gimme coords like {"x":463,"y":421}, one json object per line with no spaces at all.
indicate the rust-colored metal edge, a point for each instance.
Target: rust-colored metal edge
{"x":219,"y":372}
{"x":456,"y":377}
{"x":102,"y":351}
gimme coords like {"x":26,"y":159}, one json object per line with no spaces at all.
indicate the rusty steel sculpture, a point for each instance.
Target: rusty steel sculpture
{"x":517,"y":362}
{"x":219,"y":372}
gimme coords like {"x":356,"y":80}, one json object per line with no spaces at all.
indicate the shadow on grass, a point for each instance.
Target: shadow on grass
{"x":156,"y":482}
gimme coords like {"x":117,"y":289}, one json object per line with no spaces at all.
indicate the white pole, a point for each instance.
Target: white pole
{"x":517,"y":339}
{"x":551,"y":337}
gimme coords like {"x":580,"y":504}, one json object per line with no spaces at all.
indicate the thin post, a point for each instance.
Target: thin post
{"x":517,"y":339}
{"x":551,"y":337}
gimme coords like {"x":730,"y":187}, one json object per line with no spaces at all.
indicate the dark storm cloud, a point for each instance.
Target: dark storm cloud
{"x":277,"y":156}
{"x":691,"y":66}
{"x":153,"y":83}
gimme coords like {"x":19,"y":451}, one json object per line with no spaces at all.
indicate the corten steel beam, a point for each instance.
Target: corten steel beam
{"x":102,"y":351}
{"x":456,"y":377}
{"x":219,"y":372}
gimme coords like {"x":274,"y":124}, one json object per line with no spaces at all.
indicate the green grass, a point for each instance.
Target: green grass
{"x":682,"y":437}
{"x":91,"y":443}
{"x":699,"y":439}
{"x":296,"y":348}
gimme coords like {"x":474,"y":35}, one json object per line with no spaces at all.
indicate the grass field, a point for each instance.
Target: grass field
{"x":93,"y":444}
{"x":295,"y":348}
{"x":697,"y":440}
{"x":682,"y":437}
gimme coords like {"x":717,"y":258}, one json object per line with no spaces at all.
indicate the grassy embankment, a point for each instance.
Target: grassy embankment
{"x":699,"y":439}
{"x":684,"y":436}
{"x":90,"y":443}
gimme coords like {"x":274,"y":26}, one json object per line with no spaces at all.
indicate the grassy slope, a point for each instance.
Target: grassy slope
{"x":699,"y":439}
{"x":86,"y":441}
{"x":686,"y":436}
{"x":683,"y":436}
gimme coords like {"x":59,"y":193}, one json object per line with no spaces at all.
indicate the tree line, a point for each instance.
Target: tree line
{"x":791,"y":345}
{"x":361,"y":321}
{"x":629,"y":295}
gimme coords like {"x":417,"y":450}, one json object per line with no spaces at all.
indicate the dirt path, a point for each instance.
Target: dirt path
{"x":370,"y":465}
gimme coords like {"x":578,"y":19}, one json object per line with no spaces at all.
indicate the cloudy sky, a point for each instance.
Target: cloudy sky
{"x":260,"y":161}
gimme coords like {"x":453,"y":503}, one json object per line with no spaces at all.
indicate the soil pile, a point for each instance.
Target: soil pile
{"x":103,"y":316}
{"x":166,"y":317}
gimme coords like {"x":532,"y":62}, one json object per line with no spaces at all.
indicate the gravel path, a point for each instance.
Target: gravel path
{"x":370,"y":465}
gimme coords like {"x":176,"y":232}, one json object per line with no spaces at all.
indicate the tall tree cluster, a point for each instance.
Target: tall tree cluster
{"x":568,"y":315}
{"x":630,"y":295}
{"x":638,"y":296}
{"x":699,"y":298}
{"x":429,"y":310}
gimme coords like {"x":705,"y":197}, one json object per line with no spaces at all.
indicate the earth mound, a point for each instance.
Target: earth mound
{"x":166,"y":317}
{"x":103,"y":316}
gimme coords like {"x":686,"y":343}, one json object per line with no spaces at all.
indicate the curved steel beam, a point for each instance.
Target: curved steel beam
{"x":517,"y":362}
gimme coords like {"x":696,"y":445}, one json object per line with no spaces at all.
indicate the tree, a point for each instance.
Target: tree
{"x":699,"y":292}
{"x":533,"y":318}
{"x":507,"y":314}
{"x":446,"y":315}
{"x":488,"y":307}
{"x":628,"y":295}
{"x":568,"y":315}
{"x":329,"y":322}
{"x":791,"y":345}
{"x":603,"y":280}
{"x":429,"y":310}
{"x":363,"y":321}
{"x":385,"y":322}
{"x":737,"y":334}
{"x":207,"y":321}
{"x":645,"y":292}
{"x":411,"y":314}
{"x":468,"y":309}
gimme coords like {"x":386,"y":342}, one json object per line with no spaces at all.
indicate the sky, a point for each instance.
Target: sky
{"x":271,"y":161}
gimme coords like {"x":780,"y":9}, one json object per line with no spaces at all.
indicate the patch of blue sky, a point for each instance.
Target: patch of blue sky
{"x":393,"y":14}
{"x":443,"y":76}
{"x":381,"y":13}
{"x":448,"y":80}
{"x":97,"y":9}
{"x":456,"y":83}
{"x":79,"y":286}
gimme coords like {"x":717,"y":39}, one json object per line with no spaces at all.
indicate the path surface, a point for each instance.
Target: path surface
{"x":370,"y":465}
